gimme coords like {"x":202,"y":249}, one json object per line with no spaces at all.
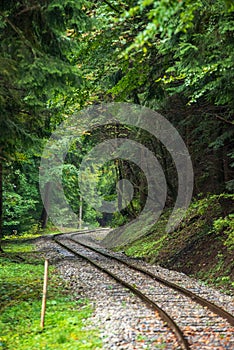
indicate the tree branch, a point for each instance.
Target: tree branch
{"x":111,"y":6}
{"x":20,"y":33}
{"x":224,"y":120}
{"x":28,"y":9}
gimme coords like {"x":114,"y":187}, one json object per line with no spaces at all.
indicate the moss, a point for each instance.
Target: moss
{"x":197,"y":245}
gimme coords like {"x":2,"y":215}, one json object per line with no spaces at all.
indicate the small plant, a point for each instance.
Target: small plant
{"x":20,"y":307}
{"x":226,"y":225}
{"x":200,"y":246}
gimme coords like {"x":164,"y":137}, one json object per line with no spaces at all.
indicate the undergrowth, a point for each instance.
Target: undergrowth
{"x":202,"y":246}
{"x":21,"y":276}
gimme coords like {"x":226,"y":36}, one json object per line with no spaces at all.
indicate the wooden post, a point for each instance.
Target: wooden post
{"x":43,"y":307}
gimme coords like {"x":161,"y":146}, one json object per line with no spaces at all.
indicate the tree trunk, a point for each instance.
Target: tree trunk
{"x":44,"y":215}
{"x":43,"y":218}
{"x":1,"y":212}
{"x":80,"y":213}
{"x":120,"y":177}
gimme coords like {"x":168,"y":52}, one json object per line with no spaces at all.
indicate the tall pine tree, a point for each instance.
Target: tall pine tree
{"x":37,"y":65}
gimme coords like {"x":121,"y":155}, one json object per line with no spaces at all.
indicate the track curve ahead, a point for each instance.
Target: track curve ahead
{"x":142,"y":295}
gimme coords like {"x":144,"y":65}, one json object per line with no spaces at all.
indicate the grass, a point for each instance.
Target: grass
{"x":20,"y":307}
{"x":34,"y":232}
{"x":202,"y":246}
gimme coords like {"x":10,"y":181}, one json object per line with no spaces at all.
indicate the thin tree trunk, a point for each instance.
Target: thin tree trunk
{"x":43,"y":218}
{"x":80,"y":213}
{"x":120,"y":177}
{"x":44,"y":215}
{"x":1,"y":211}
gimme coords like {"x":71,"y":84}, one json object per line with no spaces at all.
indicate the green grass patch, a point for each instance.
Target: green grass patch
{"x":34,"y":232}
{"x":201,"y":246}
{"x":17,"y":248}
{"x":20,"y":307}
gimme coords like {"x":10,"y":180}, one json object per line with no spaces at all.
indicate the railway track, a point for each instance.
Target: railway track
{"x":169,"y":300}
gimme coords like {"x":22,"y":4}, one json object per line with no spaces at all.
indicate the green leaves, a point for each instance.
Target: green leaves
{"x":38,"y":76}
{"x":37,"y":54}
{"x":189,"y":37}
{"x":226,"y":225}
{"x":20,"y":199}
{"x":176,"y":56}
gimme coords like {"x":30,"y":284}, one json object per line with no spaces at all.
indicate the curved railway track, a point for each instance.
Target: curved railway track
{"x":100,"y":258}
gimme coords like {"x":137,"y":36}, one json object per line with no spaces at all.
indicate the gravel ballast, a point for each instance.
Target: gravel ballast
{"x":123,"y":320}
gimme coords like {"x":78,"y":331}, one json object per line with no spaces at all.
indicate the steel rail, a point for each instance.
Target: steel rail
{"x":203,"y":302}
{"x":164,"y":316}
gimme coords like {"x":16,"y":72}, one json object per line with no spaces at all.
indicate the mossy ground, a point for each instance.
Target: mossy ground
{"x":201,"y":247}
{"x":21,"y":276}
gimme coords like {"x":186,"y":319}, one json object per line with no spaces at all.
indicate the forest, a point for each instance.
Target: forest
{"x":60,"y":57}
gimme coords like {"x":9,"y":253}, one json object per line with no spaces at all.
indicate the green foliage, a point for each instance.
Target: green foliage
{"x":226,"y":225}
{"x":210,"y":202}
{"x":189,"y":38}
{"x":202,"y":245}
{"x":176,"y":57}
{"x":210,"y":208}
{"x":38,"y":63}
{"x":20,"y":195}
{"x":20,"y":300}
{"x":38,"y":74}
{"x":59,"y":56}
